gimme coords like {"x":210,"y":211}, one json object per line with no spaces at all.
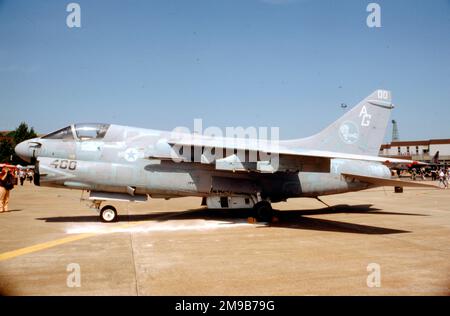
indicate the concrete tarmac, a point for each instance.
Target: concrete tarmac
{"x":177,"y":247}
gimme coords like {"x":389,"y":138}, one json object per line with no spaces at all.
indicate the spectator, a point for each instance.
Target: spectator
{"x":443,"y":178}
{"x":6,"y":185}
{"x":22,"y":176}
{"x":422,"y":173}
{"x":433,"y":174}
{"x":413,"y":174}
{"x":30,"y":175}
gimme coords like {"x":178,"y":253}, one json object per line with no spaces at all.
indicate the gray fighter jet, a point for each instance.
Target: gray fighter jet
{"x":121,"y":163}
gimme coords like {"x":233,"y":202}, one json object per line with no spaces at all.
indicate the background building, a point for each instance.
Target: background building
{"x":419,"y":150}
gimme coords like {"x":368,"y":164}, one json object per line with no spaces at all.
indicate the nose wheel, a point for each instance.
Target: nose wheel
{"x":108,"y":214}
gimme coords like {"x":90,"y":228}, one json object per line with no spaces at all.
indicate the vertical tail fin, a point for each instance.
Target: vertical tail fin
{"x":360,"y":131}
{"x":436,"y":158}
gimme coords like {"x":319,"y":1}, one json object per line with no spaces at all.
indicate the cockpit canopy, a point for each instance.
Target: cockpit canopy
{"x":64,"y":133}
{"x":86,"y":131}
{"x":91,"y":131}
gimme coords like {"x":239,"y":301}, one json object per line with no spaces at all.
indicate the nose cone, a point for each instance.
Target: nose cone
{"x":23,"y":151}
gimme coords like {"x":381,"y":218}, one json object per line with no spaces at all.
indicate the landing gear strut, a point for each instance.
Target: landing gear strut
{"x":263,"y":211}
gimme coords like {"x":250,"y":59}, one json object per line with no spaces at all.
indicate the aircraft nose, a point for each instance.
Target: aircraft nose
{"x":23,"y":151}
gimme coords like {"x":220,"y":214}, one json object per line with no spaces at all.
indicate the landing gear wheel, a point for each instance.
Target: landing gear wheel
{"x":263,"y":211}
{"x":108,"y":214}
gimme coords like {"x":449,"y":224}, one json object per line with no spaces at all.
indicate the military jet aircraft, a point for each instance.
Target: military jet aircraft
{"x":121,"y":163}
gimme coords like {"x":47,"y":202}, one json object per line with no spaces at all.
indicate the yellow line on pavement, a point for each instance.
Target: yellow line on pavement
{"x":53,"y":243}
{"x":42,"y":246}
{"x":57,"y":242}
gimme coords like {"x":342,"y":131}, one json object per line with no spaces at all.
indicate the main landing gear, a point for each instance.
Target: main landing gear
{"x":263,"y":211}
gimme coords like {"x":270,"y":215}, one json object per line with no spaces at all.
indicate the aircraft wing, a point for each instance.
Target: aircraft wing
{"x":382,"y":182}
{"x":275,"y":149}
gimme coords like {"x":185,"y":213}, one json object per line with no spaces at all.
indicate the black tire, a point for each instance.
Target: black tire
{"x":108,"y":214}
{"x":263,"y":211}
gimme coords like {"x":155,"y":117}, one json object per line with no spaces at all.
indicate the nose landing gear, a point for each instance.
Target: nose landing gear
{"x":108,"y":214}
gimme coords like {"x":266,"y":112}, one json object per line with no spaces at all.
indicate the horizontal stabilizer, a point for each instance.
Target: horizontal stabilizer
{"x":382,"y":182}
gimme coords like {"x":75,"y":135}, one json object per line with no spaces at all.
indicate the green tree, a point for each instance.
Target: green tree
{"x":21,"y":133}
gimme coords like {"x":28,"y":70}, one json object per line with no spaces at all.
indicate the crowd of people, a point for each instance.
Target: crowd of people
{"x":9,"y":177}
{"x":441,"y":174}
{"x":25,"y":174}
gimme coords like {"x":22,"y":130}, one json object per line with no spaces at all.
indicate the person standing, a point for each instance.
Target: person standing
{"x":433,"y":174}
{"x":422,"y":173}
{"x":30,"y":175}
{"x":413,"y":174}
{"x":443,"y":179}
{"x":22,"y":176}
{"x":6,"y":185}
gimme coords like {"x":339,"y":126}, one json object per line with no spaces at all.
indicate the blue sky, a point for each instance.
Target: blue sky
{"x":285,"y":63}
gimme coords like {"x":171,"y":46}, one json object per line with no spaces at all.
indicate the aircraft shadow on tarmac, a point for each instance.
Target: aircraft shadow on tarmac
{"x":295,"y":219}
